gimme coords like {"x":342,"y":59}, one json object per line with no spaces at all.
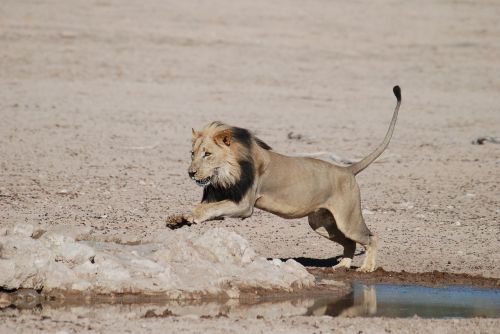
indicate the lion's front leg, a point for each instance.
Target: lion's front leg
{"x":225,"y":208}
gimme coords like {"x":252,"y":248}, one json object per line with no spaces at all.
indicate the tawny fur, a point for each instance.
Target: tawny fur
{"x":240,"y":172}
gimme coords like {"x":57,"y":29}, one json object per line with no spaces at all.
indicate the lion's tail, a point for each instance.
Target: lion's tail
{"x":360,"y":165}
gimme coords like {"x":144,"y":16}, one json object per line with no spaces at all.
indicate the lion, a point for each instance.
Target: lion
{"x":240,"y":172}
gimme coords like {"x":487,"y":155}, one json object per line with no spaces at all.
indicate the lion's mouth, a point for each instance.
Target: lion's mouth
{"x":203,"y":182}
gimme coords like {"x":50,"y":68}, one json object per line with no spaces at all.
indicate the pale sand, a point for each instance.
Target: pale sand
{"x":97,"y":101}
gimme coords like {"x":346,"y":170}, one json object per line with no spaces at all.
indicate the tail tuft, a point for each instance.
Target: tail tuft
{"x":397,"y":92}
{"x":360,"y":165}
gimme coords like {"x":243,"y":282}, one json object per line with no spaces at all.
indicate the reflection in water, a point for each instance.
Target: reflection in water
{"x":442,"y":302}
{"x":363,"y":301}
{"x":400,"y":301}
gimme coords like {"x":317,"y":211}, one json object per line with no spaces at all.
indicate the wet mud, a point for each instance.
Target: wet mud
{"x":429,"y":279}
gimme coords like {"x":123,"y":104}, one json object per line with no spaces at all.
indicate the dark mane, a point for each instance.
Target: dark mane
{"x":235,"y":193}
{"x":245,"y":137}
{"x":262,"y":144}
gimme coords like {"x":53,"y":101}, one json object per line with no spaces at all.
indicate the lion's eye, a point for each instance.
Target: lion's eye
{"x":192,"y":154}
{"x":207,"y":154}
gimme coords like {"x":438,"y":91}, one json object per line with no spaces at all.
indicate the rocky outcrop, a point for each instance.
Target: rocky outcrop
{"x":179,"y":264}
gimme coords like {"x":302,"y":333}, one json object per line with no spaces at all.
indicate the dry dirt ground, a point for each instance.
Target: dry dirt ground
{"x":97,"y":101}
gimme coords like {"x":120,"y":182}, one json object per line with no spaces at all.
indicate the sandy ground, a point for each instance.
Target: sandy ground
{"x":295,"y":325}
{"x":97,"y":101}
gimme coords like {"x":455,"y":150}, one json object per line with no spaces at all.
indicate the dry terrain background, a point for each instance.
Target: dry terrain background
{"x":98,"y":98}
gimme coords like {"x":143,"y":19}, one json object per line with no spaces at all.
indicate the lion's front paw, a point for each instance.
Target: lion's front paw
{"x":178,"y":221}
{"x":366,"y":268}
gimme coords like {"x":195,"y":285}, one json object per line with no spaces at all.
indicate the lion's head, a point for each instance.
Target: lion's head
{"x":221,"y":160}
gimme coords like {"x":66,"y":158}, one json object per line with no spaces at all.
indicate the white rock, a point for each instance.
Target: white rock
{"x":75,"y":253}
{"x":8,"y":274}
{"x":183,"y":265}
{"x":277,"y":262}
{"x":65,"y":248}
{"x":52,"y":240}
{"x":76,"y":232}
{"x":223,"y":246}
{"x":81,"y":286}
{"x":59,"y":276}
{"x":24,"y":262}
{"x":23,"y":229}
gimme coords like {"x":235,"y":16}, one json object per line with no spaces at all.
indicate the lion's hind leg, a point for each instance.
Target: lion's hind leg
{"x":350,"y":222}
{"x":371,"y":253}
{"x":323,"y":223}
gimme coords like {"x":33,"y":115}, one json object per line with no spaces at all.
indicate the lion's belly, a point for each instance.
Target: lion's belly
{"x":283,"y":209}
{"x":294,"y":187}
{"x":291,"y":202}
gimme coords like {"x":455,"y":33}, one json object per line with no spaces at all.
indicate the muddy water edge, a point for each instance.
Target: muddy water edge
{"x":382,"y":293}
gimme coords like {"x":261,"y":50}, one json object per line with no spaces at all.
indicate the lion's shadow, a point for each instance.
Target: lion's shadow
{"x":319,"y":263}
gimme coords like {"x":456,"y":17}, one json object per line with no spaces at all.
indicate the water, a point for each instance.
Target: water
{"x":400,"y":301}
{"x":387,"y":300}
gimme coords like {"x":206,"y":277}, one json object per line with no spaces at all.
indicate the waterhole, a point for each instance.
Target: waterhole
{"x":387,"y":300}
{"x":400,"y":301}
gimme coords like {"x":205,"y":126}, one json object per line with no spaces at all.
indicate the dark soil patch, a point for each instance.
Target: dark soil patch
{"x":432,"y":279}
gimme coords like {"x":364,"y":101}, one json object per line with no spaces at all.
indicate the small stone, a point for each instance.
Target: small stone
{"x":457,"y":223}
{"x":6,"y":299}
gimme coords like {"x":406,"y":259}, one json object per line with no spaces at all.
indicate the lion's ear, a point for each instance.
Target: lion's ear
{"x":223,"y":138}
{"x":195,"y":134}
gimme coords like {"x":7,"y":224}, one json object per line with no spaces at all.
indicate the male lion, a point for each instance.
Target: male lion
{"x":238,"y":172}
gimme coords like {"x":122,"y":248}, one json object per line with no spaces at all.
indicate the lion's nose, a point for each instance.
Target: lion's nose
{"x":191,"y":173}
